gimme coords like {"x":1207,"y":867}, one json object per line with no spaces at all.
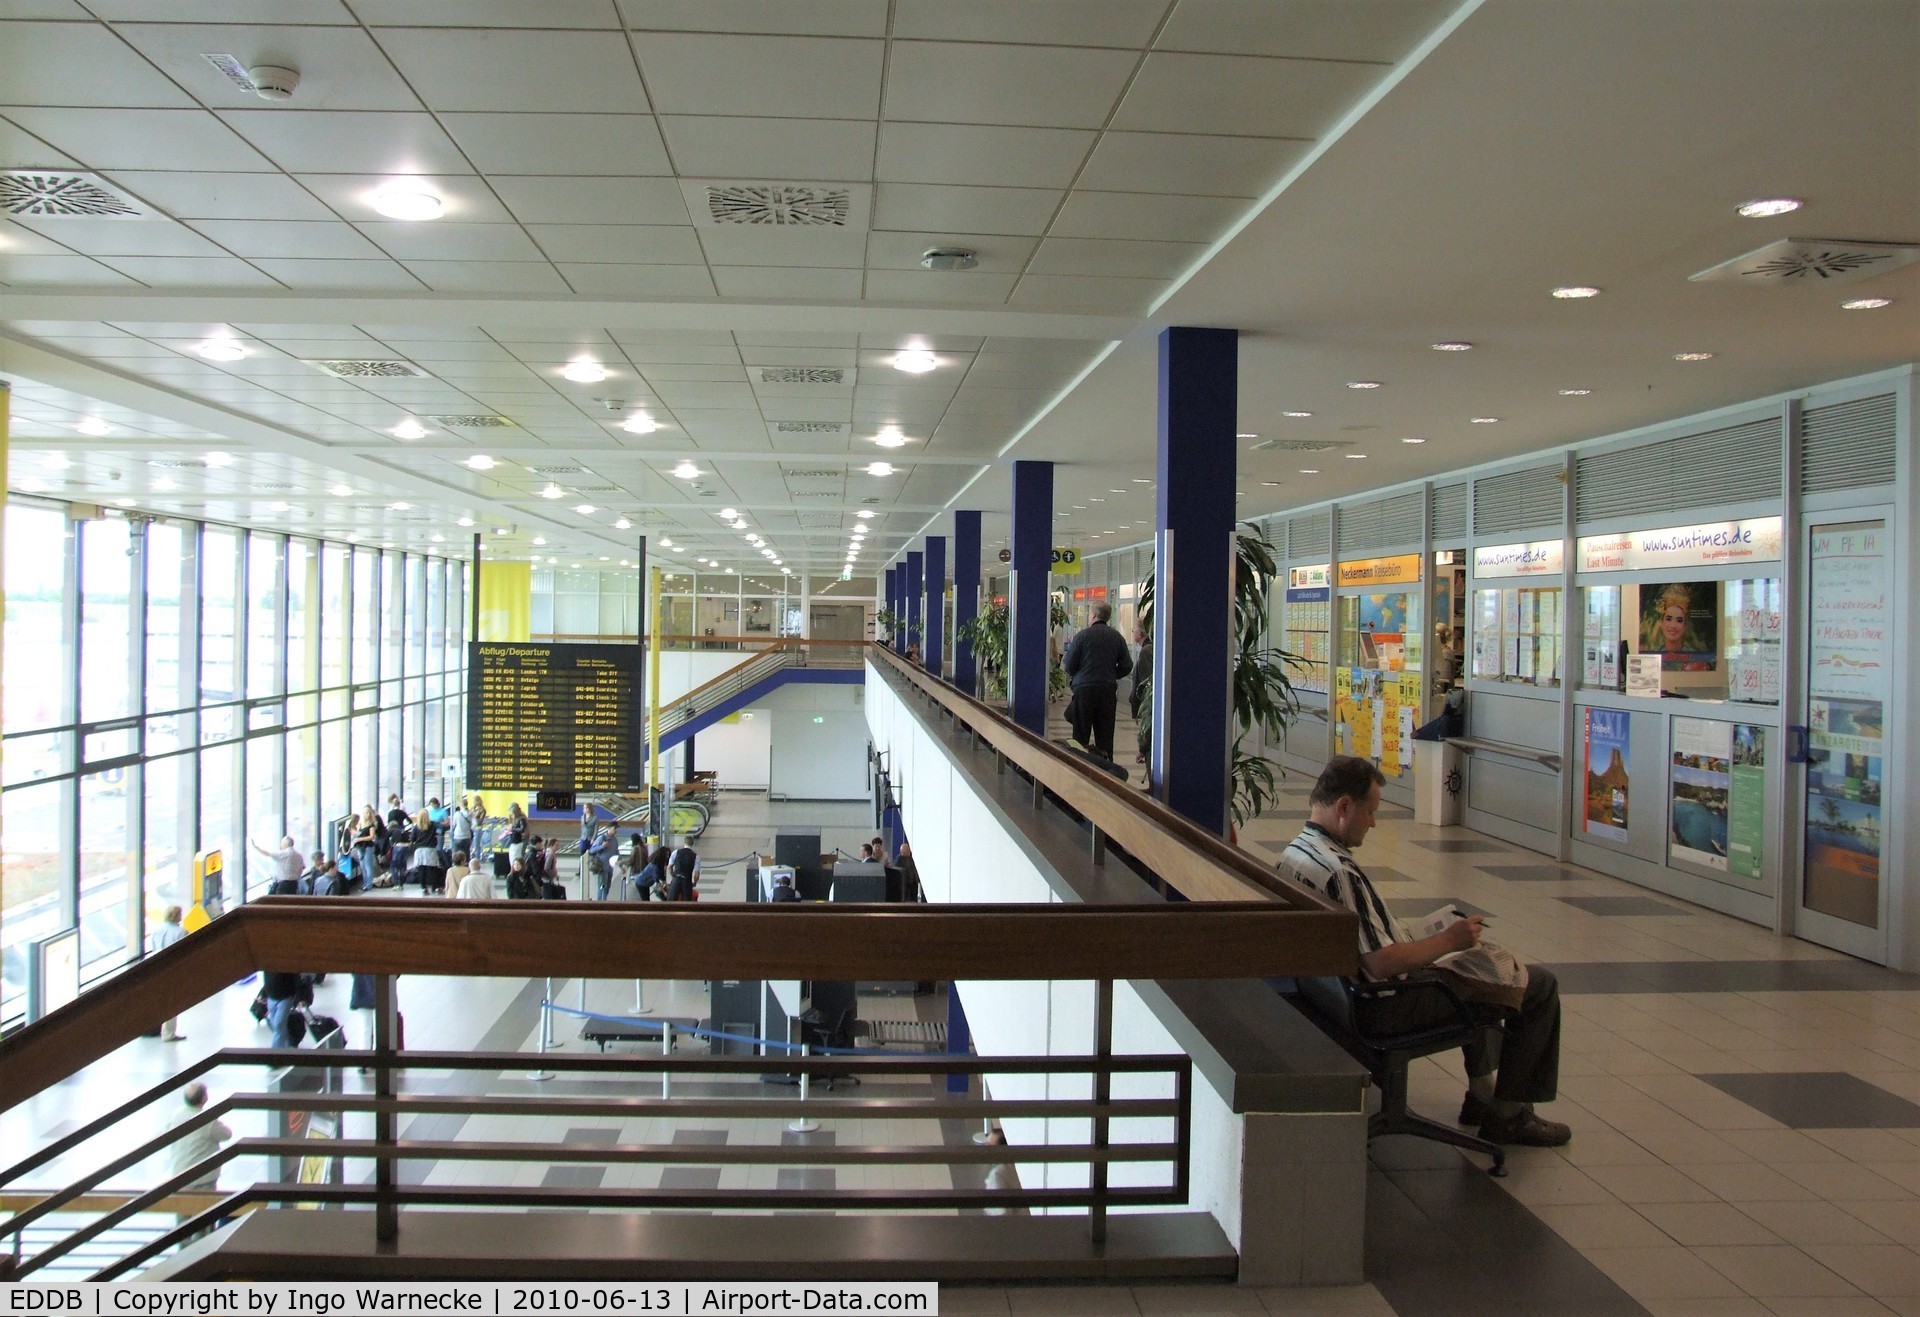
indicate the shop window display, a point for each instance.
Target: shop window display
{"x":1713,"y":640}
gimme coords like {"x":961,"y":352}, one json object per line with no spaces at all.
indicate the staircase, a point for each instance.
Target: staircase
{"x":739,"y":686}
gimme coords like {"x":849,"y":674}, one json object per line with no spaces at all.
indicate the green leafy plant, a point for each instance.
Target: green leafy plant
{"x":1263,"y":695}
{"x":892,"y":623}
{"x":988,"y":633}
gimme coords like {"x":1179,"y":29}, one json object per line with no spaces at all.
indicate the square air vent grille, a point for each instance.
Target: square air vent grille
{"x":1295,"y":445}
{"x":176,"y":463}
{"x":1802,"y":261}
{"x":817,"y":473}
{"x":369,"y":370}
{"x":558,"y":470}
{"x":597,"y":489}
{"x":818,"y":521}
{"x":46,"y":193}
{"x":818,"y":493}
{"x":804,"y":375}
{"x":812,"y":427}
{"x":473,"y":422}
{"x":781,"y":204}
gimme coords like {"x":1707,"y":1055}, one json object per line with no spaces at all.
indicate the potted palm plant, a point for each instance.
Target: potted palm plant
{"x":989,"y":632}
{"x":1263,"y":695}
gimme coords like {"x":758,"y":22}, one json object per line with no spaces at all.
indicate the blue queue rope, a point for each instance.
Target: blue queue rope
{"x":695,"y":1031}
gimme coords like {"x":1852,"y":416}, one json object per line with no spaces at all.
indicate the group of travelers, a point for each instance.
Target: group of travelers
{"x":379,"y":850}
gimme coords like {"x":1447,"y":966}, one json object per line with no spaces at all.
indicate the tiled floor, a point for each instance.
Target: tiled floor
{"x":1747,"y":1134}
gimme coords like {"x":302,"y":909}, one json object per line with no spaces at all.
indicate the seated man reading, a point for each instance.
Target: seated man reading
{"x":1524,"y":1045}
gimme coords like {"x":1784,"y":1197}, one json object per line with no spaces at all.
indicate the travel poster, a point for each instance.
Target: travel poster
{"x":1702,"y":784}
{"x":1607,"y":751}
{"x":1681,"y":623}
{"x":1747,"y":808}
{"x":1846,"y":683}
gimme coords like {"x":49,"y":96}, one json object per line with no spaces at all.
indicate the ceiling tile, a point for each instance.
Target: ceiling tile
{"x":1055,"y":22}
{"x":755,"y":244}
{"x":597,"y":144}
{"x":340,"y":67}
{"x":819,"y":18}
{"x":336,"y":275}
{"x":773,"y":282}
{"x":714,"y":372}
{"x":691,"y":73}
{"x":789,"y":339}
{"x":479,"y":69}
{"x":25,"y":242}
{"x":1109,"y":258}
{"x":1090,"y":214}
{"x":1189,"y":164}
{"x":349,"y":141}
{"x":220,"y":11}
{"x":1043,"y":86}
{"x":722,"y":147}
{"x":1384,"y":30}
{"x":488,"y":13}
{"x":32,"y":271}
{"x":222,"y":196}
{"x":128,"y":139}
{"x":624,"y":244}
{"x":69,"y":9}
{"x":451,"y":242}
{"x":639,"y":280}
{"x":1085,"y":294}
{"x":108,"y":237}
{"x":467,"y":197}
{"x":82,"y":64}
{"x":296,"y":238}
{"x":561,"y":200}
{"x":489,"y":276}
{"x":1227,"y":94}
{"x":732,"y":397}
{"x":974,"y":287}
{"x":20,"y":149}
{"x":939,"y":208}
{"x":1001,"y":157}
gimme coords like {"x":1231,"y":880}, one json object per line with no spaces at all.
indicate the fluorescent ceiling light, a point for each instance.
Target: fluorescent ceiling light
{"x":1483,"y":420}
{"x":1309,"y":470}
{"x":1575,"y":393}
{"x":585,"y":509}
{"x":1355,"y":457}
{"x":890,"y":438}
{"x":1693,"y":356}
{"x":880,"y":468}
{"x":915,"y":361}
{"x":739,"y":523}
{"x":1452,"y":347}
{"x":221,"y":349}
{"x":481,"y":462}
{"x":687,"y":471}
{"x":408,"y":199}
{"x":218,"y":459}
{"x":1575,"y":292}
{"x":679,"y":548}
{"x":465,"y":521}
{"x":1413,"y":441}
{"x":1866,"y":303}
{"x":1246,"y":436}
{"x":1297,"y":416}
{"x":341,"y":491}
{"x":864,"y":513}
{"x":553,"y":491}
{"x":280,"y":507}
{"x":409,"y":429}
{"x":94,"y":426}
{"x":728,"y":514}
{"x":639,"y":423}
{"x":1363,"y":384}
{"x":623,"y":524}
{"x":540,"y":540}
{"x":584,"y":371}
{"x":398,"y":507}
{"x":1766,"y":207}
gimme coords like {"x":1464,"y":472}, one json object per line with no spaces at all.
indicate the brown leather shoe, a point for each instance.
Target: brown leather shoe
{"x":1526,"y":1130}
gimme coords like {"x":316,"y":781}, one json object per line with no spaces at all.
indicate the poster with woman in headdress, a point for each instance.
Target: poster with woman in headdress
{"x":1681,"y":623}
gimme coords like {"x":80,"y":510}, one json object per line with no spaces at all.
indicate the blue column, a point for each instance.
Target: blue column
{"x":966,"y":594}
{"x":891,"y":606}
{"x":936,"y":594}
{"x":913,"y":599}
{"x":900,"y":606}
{"x":1193,"y":572}
{"x":959,"y":1036}
{"x":1032,"y":545}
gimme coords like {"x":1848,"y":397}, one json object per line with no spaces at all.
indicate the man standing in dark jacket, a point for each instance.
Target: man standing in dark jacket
{"x":1096,"y":659}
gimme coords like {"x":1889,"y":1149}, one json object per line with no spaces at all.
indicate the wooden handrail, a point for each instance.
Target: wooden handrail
{"x":677,"y":642}
{"x":1187,"y":857}
{"x":360,"y":935}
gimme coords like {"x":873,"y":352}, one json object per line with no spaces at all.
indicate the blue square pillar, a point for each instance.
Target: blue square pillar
{"x":897,"y":586}
{"x":936,"y":594}
{"x":1032,"y":547}
{"x":966,"y":594}
{"x":913,"y":599}
{"x":1193,"y":573}
{"x":886,"y":589}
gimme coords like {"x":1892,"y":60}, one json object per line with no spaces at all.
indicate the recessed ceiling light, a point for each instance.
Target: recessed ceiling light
{"x":465,"y":521}
{"x":786,"y":571}
{"x":481,"y":462}
{"x":164,"y":485}
{"x":1355,"y":457}
{"x":1297,"y":416}
{"x":1139,"y":480}
{"x":1693,"y":356}
{"x":585,"y":509}
{"x":1575,"y":292}
{"x":1575,"y":393}
{"x":915,"y":361}
{"x":408,"y":199}
{"x":94,"y":426}
{"x":605,"y":558}
{"x":575,"y":566}
{"x":1452,"y":347}
{"x":56,"y":461}
{"x":1363,"y":384}
{"x":1866,"y":303}
{"x":539,"y":539}
{"x":341,"y":491}
{"x":880,"y":468}
{"x":639,"y":423}
{"x":398,"y":507}
{"x":687,"y":471}
{"x":1246,"y":436}
{"x":1270,"y":484}
{"x":279,"y":507}
{"x":1409,"y":440}
{"x":1767,"y":207}
{"x":764,"y":553}
{"x":679,"y":548}
{"x":1309,"y":470}
{"x":409,"y":429}
{"x":864,"y":513}
{"x":584,"y":370}
{"x":123,"y":502}
{"x":623,"y":524}
{"x":221,"y":349}
{"x":739,"y":523}
{"x":1483,"y":420}
{"x":1116,"y":491}
{"x":439,"y":539}
{"x":728,"y":514}
{"x":890,"y":438}
{"x":218,"y":459}
{"x":550,"y":561}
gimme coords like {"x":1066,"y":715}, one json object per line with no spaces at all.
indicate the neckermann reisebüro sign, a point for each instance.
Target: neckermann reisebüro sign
{"x":1713,"y":544}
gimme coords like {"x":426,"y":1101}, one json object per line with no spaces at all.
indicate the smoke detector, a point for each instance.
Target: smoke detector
{"x":1802,"y":261}
{"x":949,"y":258}
{"x":270,"y":82}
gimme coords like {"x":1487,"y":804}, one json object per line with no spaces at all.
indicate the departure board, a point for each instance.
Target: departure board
{"x":554,"y":716}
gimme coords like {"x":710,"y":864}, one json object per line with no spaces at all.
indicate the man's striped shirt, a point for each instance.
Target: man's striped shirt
{"x":1314,"y":859}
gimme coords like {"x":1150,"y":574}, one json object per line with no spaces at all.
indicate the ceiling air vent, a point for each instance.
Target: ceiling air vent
{"x":817,"y":473}
{"x":41,"y":192}
{"x":176,"y":463}
{"x":804,"y":375}
{"x":596,"y":489}
{"x":1801,"y":261}
{"x":822,"y":493}
{"x":472,"y":422}
{"x":369,"y":370}
{"x":811,"y":427}
{"x":558,"y":470}
{"x":1294,"y":446}
{"x":780,"y":204}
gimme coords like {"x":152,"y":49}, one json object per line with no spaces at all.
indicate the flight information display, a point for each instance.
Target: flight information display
{"x":554,"y":717}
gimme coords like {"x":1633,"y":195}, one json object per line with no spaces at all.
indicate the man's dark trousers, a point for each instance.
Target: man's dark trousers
{"x":1523,"y":1045}
{"x":1091,"y":715}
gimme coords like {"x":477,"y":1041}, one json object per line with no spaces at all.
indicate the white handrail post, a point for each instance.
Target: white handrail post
{"x":546,"y":1031}
{"x":666,"y":1053}
{"x":801,"y":1125}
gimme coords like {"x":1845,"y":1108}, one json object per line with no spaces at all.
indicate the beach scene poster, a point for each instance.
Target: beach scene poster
{"x":1702,"y":789}
{"x":1608,"y":745}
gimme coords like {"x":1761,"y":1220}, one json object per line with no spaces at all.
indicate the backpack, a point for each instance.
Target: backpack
{"x":521,"y":887}
{"x":553,"y":892}
{"x":322,"y":1025}
{"x":501,"y":865}
{"x":296,"y":1026}
{"x":537,"y":863}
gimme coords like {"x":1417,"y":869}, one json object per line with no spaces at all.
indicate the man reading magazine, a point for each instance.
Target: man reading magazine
{"x":1522,"y":1043}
